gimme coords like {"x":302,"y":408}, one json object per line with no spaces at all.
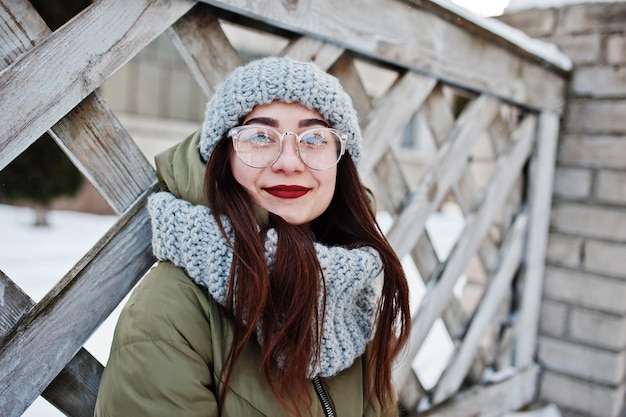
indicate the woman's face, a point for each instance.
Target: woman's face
{"x":288,"y":188}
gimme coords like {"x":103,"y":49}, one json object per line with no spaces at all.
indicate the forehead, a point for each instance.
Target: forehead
{"x":280,"y":110}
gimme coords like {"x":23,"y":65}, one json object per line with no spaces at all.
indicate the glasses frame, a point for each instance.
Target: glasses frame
{"x":234,"y":132}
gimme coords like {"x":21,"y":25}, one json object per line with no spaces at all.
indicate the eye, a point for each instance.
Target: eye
{"x":259,"y":138}
{"x":314,"y":139}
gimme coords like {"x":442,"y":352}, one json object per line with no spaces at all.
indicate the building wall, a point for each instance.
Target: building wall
{"x":582,"y":343}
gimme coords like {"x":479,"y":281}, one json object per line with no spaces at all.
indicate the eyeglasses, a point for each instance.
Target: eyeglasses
{"x":257,"y":146}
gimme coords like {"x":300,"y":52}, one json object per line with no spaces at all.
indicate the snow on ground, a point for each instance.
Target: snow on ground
{"x":36,"y":258}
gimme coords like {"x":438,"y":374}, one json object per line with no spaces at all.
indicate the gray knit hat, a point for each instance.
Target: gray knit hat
{"x":267,"y":79}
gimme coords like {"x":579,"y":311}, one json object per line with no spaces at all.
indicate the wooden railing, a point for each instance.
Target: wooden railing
{"x":487,"y":100}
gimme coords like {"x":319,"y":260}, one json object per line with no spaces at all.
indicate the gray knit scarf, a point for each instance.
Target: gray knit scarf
{"x":188,"y":236}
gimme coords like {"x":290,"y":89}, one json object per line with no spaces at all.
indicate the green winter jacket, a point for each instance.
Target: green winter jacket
{"x":172,"y":339}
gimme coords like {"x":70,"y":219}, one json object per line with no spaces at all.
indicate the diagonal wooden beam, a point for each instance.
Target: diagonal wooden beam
{"x":51,"y":78}
{"x":461,"y":361}
{"x":75,"y":389}
{"x":442,"y":174}
{"x":476,"y":227}
{"x":315,"y":50}
{"x":345,"y":70}
{"x":204,"y":47}
{"x":90,"y":134}
{"x":383,"y":125}
{"x":46,"y":337}
{"x":95,"y":140}
{"x":99,"y":145}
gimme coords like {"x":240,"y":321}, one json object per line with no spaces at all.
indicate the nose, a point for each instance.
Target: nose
{"x":289,"y":161}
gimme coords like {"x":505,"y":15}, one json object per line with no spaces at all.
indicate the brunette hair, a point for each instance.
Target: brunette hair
{"x":286,"y":309}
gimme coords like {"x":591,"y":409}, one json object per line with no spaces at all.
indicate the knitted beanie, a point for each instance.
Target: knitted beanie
{"x":267,"y":79}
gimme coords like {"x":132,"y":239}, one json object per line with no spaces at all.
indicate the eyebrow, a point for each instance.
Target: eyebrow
{"x":268,"y":121}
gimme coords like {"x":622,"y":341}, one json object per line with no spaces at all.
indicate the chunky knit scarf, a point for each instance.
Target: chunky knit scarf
{"x":188,"y":236}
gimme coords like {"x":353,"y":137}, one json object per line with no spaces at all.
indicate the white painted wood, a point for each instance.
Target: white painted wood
{"x":383,"y":125}
{"x":550,"y":410}
{"x":476,"y":227}
{"x":443,"y":172}
{"x":437,"y":113}
{"x":540,"y":205}
{"x":425,"y":258}
{"x":81,"y":55}
{"x":498,"y":290}
{"x":503,"y":33}
{"x":390,"y":182}
{"x":490,"y":400}
{"x":413,"y":36}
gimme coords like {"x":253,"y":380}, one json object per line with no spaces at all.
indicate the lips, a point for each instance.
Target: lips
{"x":287,"y":191}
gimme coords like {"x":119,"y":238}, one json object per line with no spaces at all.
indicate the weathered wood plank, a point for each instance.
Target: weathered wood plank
{"x":391,"y":186}
{"x":411,"y":392}
{"x":383,"y":125}
{"x":20,"y":28}
{"x":441,"y":175}
{"x":490,"y":400}
{"x":204,"y":47}
{"x":540,"y":203}
{"x":437,"y":113}
{"x":90,"y":134}
{"x":15,"y":303}
{"x":102,"y":149}
{"x":425,"y":258}
{"x":75,"y":389}
{"x":475,"y":230}
{"x":502,"y":354}
{"x":321,"y":53}
{"x":489,"y":254}
{"x":466,"y":191}
{"x":48,"y":336}
{"x":413,"y":37}
{"x":461,"y":361}
{"x":499,"y":33}
{"x":344,"y":69}
{"x":81,"y":55}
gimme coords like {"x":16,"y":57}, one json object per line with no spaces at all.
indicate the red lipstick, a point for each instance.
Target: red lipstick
{"x":287,"y":191}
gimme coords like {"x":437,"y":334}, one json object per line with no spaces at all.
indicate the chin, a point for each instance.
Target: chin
{"x":293,"y":220}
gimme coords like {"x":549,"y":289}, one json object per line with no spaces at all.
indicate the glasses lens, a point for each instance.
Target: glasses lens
{"x":257,"y":147}
{"x":320,"y":149}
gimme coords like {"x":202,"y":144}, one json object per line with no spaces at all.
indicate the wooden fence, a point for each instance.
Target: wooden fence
{"x":487,"y":100}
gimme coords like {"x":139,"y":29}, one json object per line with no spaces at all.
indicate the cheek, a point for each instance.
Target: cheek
{"x":242,"y":173}
{"x":327,"y":188}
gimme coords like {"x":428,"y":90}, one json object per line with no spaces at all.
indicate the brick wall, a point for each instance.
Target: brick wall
{"x":582,"y":342}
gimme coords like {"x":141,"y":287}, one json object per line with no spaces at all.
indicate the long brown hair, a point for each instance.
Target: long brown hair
{"x":286,"y":309}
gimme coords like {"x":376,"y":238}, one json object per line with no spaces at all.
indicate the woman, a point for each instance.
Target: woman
{"x":276,"y":293}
